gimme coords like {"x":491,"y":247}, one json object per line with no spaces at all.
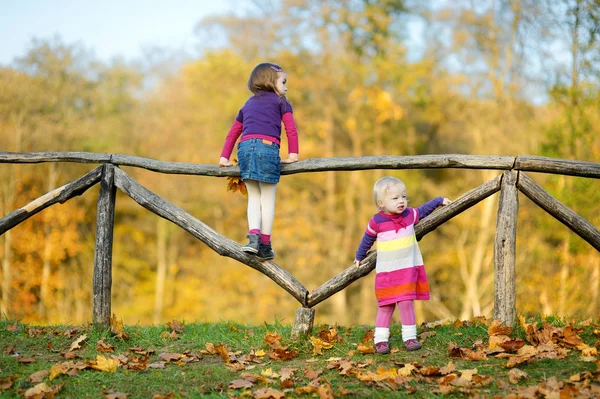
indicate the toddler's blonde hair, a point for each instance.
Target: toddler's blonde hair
{"x":382,"y":185}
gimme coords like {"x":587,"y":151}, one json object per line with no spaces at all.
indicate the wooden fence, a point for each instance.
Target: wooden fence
{"x":511,"y":180}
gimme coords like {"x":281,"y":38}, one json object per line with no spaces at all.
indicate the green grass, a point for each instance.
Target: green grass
{"x":209,"y":377}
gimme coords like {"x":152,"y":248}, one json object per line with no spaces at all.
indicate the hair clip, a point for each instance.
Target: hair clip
{"x":276,"y":68}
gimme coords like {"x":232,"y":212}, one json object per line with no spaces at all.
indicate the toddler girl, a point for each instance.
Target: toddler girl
{"x":400,"y":275}
{"x":259,"y":123}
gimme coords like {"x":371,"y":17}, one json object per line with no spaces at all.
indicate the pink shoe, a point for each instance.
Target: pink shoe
{"x":382,"y":348}
{"x":412,"y":345}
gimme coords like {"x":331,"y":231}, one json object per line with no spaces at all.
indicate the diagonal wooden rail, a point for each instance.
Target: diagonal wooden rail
{"x":512,"y":180}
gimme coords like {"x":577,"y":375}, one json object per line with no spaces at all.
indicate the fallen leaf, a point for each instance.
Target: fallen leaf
{"x":117,"y":327}
{"x":319,"y":345}
{"x":78,"y":341}
{"x":103,"y":346}
{"x":239,"y":384}
{"x":105,"y":364}
{"x":42,"y":391}
{"x":365,"y":349}
{"x":268,"y":393}
{"x":38,"y":376}
{"x":6,"y":383}
{"x":496,"y":328}
{"x":115,"y":395}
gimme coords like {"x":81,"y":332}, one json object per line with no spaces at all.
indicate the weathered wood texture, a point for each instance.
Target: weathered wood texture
{"x":430,"y":223}
{"x":37,"y":157}
{"x":303,"y":323}
{"x":561,"y":212}
{"x":505,"y":297}
{"x":102,"y":280}
{"x":461,"y":161}
{"x":60,"y":194}
{"x":558,"y":166}
{"x":220,"y":244}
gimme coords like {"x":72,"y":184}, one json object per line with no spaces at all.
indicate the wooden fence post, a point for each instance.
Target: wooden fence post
{"x":303,"y":323}
{"x":505,"y":247}
{"x":104,"y":242}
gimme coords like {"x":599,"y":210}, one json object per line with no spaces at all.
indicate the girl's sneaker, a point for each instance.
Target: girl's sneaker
{"x":253,"y":244}
{"x":383,"y":348}
{"x":265,"y":251}
{"x":412,"y":345}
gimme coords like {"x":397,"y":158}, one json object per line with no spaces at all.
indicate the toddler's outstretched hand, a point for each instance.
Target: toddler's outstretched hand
{"x":356,"y":262}
{"x":225,"y":162}
{"x":446,"y":201}
{"x":292,"y":157}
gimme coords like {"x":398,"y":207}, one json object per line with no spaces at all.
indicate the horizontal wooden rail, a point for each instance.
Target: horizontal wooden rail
{"x":442,"y":161}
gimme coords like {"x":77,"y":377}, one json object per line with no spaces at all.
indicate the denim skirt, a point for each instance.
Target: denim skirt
{"x":259,"y":161}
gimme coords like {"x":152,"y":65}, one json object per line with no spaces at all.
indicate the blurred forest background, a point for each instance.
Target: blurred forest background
{"x":366,"y":77}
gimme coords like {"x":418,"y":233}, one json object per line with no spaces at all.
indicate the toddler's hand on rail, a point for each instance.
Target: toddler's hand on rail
{"x":225,"y":162}
{"x":292,"y":157}
{"x":356,"y":262}
{"x":446,"y":201}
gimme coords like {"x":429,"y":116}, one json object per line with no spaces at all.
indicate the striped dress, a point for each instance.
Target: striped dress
{"x":400,"y":272}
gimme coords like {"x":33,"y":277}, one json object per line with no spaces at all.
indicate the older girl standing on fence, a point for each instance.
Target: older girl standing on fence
{"x":400,"y":274}
{"x":259,"y":123}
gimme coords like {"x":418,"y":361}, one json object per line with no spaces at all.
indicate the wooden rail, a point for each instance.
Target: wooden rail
{"x":509,"y":182}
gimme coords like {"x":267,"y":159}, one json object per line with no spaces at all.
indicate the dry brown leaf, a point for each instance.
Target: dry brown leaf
{"x":239,"y":384}
{"x":6,"y":383}
{"x":76,"y":345}
{"x":447,"y":369}
{"x":496,"y":328}
{"x":236,"y":184}
{"x":312,"y":374}
{"x":117,"y":327}
{"x":103,"y":346}
{"x":12,"y":327}
{"x":38,"y":376}
{"x":170,"y":357}
{"x":175,"y":326}
{"x":365,"y":349}
{"x":268,"y":393}
{"x":42,"y":391}
{"x":516,"y":375}
{"x":115,"y":395}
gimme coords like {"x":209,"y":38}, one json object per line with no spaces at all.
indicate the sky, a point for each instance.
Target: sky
{"x":107,"y":28}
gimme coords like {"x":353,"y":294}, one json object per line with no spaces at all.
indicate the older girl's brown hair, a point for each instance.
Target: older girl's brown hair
{"x":264,"y":78}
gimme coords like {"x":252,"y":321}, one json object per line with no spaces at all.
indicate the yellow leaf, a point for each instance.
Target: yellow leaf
{"x":106,"y":364}
{"x":318,"y":345}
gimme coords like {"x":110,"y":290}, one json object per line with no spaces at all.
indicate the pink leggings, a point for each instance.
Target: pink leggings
{"x":407,"y":314}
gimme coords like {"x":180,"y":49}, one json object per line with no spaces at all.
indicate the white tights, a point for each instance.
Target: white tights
{"x":261,"y":205}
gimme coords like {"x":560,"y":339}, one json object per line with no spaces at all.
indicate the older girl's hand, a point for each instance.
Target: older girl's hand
{"x":292,"y":157}
{"x":446,"y":202}
{"x":225,"y":162}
